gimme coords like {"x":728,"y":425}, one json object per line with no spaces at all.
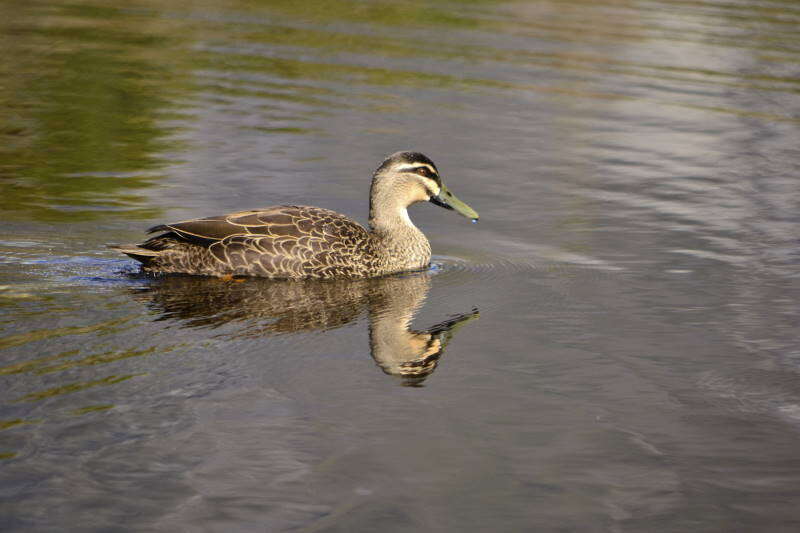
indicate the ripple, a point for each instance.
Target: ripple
{"x":523,"y":258}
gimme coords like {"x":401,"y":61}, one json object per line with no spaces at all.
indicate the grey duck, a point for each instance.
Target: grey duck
{"x":297,"y":242}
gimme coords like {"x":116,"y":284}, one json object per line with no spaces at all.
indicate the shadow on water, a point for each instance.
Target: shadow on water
{"x":267,"y":308}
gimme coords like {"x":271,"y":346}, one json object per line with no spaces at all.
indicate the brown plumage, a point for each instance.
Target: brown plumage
{"x":295,"y":242}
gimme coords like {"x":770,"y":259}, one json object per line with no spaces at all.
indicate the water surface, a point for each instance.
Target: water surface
{"x":613,"y":348}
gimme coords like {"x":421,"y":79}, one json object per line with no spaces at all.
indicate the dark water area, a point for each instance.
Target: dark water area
{"x":614,"y":347}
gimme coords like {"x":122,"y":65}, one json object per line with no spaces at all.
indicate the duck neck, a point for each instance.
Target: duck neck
{"x":398,"y":237}
{"x":388,"y":215}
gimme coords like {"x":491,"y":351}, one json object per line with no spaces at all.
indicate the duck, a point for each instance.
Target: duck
{"x":304,"y":242}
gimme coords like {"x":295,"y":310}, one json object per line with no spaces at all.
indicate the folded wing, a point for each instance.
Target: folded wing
{"x":281,"y":241}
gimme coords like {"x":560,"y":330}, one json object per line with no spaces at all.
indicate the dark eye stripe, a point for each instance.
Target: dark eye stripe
{"x":425,"y":171}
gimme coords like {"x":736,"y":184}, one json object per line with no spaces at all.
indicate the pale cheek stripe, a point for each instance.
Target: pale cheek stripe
{"x":430,"y":184}
{"x":416,"y":166}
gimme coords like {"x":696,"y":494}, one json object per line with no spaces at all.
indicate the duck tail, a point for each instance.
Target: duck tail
{"x":143,"y":255}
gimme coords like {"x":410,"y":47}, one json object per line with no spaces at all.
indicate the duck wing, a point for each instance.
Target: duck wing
{"x":282,"y":241}
{"x":283,"y":219}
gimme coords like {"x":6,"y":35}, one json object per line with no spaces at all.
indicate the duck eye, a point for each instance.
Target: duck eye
{"x":423,"y":171}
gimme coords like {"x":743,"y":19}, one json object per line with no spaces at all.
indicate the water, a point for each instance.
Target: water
{"x":612,"y":348}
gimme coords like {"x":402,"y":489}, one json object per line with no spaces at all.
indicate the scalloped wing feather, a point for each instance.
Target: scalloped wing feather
{"x":277,"y":220}
{"x":279,"y":242}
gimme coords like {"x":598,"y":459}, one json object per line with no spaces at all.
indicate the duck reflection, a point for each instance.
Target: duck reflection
{"x":264,"y":307}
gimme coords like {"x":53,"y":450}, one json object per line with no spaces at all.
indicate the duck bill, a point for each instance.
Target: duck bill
{"x":448,"y":200}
